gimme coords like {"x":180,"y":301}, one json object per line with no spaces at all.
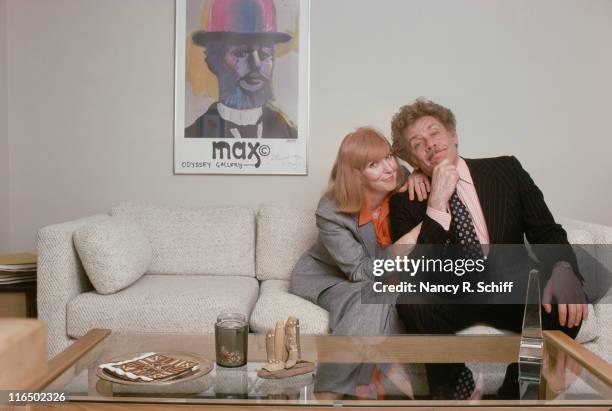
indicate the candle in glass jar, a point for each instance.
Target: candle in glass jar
{"x":231,"y":339}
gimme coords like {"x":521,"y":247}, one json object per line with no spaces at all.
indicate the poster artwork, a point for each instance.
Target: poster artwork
{"x":241,"y":87}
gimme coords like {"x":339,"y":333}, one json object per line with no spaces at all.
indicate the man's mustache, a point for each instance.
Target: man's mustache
{"x":435,"y":151}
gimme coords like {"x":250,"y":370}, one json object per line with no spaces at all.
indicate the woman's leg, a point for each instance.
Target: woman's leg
{"x":349,"y":316}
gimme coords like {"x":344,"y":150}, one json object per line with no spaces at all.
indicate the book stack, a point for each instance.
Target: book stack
{"x":17,"y":268}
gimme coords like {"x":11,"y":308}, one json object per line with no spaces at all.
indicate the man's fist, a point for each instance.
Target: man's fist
{"x":443,"y":183}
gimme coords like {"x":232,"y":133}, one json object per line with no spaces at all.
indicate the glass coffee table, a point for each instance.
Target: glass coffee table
{"x":571,"y":375}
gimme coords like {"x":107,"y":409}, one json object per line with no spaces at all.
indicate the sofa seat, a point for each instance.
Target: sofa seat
{"x":276,"y":303}
{"x":163,"y":303}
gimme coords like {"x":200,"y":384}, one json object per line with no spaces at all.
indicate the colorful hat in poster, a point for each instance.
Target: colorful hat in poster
{"x":243,"y":20}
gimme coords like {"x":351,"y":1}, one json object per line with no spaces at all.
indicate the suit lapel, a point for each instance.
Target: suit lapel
{"x":367,"y":236}
{"x":492,"y":199}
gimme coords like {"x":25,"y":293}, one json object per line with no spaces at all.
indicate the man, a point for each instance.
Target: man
{"x":474,"y":203}
{"x":239,"y":43}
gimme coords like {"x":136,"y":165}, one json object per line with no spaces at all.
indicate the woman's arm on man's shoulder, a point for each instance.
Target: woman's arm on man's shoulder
{"x":406,"y":214}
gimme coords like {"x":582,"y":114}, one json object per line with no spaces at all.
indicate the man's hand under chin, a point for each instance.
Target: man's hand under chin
{"x":443,"y":183}
{"x":565,"y":287}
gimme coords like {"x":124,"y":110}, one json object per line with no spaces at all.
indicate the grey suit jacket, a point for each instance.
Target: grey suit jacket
{"x":343,"y":252}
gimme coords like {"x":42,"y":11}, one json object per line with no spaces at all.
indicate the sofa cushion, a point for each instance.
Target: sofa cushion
{"x":115,"y":252}
{"x":213,"y":241}
{"x":163,"y":303}
{"x":283,"y":234}
{"x":604,"y":316}
{"x":275,"y":303}
{"x":590,"y":329}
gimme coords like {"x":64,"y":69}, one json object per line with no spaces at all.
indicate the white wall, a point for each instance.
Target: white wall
{"x":4,"y":156}
{"x":91,"y":89}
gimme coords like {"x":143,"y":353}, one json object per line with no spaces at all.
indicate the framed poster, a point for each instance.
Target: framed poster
{"x":241,"y":87}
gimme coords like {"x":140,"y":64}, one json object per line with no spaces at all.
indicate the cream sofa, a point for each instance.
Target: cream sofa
{"x":210,"y":260}
{"x":205,"y":261}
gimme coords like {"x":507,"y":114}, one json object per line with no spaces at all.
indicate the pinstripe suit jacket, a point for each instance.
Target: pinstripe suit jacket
{"x":513,"y":207}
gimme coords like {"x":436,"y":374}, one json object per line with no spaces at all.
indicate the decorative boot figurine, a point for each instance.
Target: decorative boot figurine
{"x":280,"y":352}
{"x":297,"y":336}
{"x":291,"y":342}
{"x":273,"y":364}
{"x":284,"y":352}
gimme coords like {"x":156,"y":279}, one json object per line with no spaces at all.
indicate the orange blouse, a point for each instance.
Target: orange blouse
{"x":381,"y":224}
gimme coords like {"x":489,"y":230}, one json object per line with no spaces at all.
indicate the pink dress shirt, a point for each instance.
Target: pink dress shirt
{"x":467,"y":193}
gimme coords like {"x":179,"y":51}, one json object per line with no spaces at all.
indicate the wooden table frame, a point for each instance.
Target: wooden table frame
{"x":424,"y":349}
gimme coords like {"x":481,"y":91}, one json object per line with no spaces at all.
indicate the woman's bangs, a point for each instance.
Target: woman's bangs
{"x":375,"y":147}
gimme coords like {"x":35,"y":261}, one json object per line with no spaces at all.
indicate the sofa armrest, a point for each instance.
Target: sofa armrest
{"x":60,"y":278}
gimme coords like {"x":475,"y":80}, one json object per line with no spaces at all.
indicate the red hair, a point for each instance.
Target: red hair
{"x":356,"y":151}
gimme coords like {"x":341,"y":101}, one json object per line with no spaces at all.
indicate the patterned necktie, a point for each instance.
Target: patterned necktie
{"x":463,"y":226}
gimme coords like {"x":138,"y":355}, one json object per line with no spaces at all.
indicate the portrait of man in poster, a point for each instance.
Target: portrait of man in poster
{"x":239,"y":43}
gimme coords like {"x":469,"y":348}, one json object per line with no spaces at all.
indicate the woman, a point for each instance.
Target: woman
{"x":353,"y":232}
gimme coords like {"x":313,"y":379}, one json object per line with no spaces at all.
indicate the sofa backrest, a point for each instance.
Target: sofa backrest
{"x":581,"y":232}
{"x":204,"y":241}
{"x":284,"y":233}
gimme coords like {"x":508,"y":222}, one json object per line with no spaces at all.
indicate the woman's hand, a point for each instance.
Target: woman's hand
{"x":417,"y":183}
{"x":404,"y":245}
{"x":410,"y":237}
